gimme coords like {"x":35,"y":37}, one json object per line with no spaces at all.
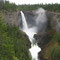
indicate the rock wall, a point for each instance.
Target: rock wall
{"x":10,"y":17}
{"x":13,"y":18}
{"x":54,"y":19}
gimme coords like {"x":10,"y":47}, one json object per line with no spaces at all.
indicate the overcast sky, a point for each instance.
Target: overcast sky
{"x":34,"y":1}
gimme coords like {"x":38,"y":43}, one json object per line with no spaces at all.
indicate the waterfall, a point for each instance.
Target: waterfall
{"x":34,"y":50}
{"x":24,"y":21}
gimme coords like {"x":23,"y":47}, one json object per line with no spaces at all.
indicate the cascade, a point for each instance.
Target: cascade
{"x":34,"y":50}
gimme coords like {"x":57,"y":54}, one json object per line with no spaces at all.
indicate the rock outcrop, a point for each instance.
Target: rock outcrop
{"x":10,"y":17}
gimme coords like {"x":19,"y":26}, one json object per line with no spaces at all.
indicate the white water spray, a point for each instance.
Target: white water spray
{"x":34,"y":50}
{"x":24,"y":23}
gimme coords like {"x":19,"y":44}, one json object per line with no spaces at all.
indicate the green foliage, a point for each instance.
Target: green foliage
{"x":49,"y":7}
{"x":56,"y":37}
{"x":55,"y":53}
{"x":6,"y":43}
{"x":13,"y":45}
{"x":7,"y":6}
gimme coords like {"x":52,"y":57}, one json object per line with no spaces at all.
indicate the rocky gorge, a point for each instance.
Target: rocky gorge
{"x":44,"y":36}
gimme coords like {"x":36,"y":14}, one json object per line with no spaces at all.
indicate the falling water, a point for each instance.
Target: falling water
{"x":24,"y":21}
{"x":34,"y":50}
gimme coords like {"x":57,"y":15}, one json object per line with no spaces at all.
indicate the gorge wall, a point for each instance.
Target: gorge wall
{"x":10,"y":17}
{"x":13,"y":18}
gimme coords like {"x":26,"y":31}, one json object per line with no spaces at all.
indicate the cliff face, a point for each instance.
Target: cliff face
{"x":54,"y":19}
{"x":53,"y":26}
{"x":10,"y":17}
{"x":13,"y":18}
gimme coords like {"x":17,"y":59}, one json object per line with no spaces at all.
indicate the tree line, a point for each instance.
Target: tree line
{"x":13,"y":7}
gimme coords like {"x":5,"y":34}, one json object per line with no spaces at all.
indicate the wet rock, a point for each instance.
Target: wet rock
{"x":26,"y":38}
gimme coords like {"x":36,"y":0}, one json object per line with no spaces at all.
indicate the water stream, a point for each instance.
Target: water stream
{"x":34,"y":50}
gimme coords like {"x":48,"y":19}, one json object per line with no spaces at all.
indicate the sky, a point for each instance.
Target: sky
{"x":19,"y":2}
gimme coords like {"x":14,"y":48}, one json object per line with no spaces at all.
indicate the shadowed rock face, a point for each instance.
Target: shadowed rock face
{"x":53,"y":25}
{"x":54,"y":20}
